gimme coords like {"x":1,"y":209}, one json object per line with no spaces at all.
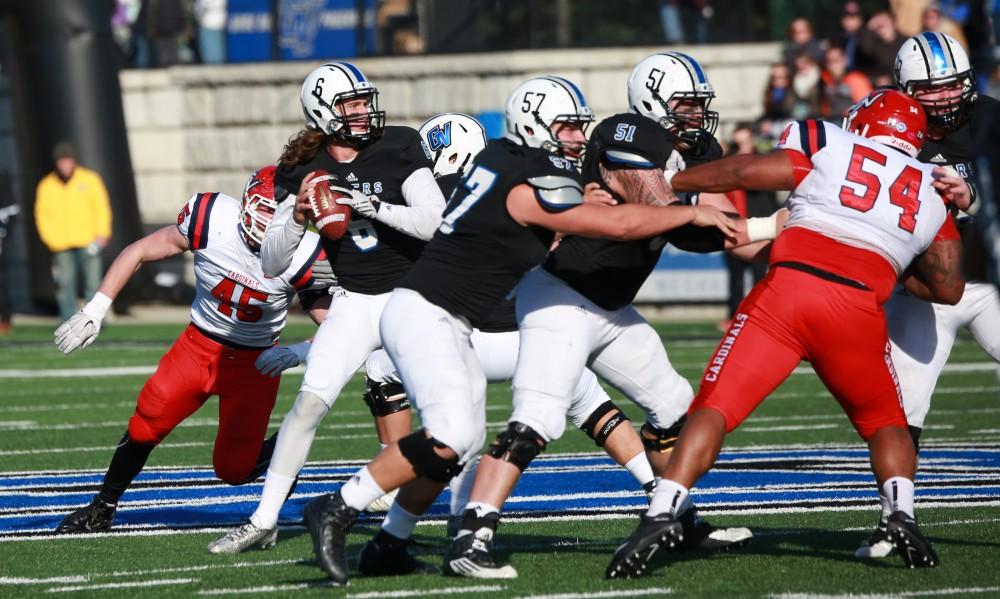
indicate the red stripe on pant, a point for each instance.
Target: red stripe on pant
{"x":791,"y":316}
{"x":194,"y":369}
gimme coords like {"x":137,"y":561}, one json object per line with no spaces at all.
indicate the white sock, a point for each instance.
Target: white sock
{"x":639,"y":467}
{"x":886,"y":506}
{"x":899,"y":490}
{"x":276,"y":488}
{"x":668,"y":498}
{"x":360,"y":490}
{"x":461,"y":487}
{"x":399,"y":522}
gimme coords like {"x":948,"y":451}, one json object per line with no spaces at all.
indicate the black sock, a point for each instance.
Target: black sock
{"x":127,"y":463}
{"x":472,"y":521}
{"x":263,"y":460}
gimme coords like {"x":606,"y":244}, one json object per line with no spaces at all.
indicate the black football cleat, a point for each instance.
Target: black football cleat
{"x":328,"y":519}
{"x":386,"y":555}
{"x":699,"y":534}
{"x":631,"y":559}
{"x":97,"y":516}
{"x":910,"y":544}
{"x":878,"y":545}
{"x":469,"y":556}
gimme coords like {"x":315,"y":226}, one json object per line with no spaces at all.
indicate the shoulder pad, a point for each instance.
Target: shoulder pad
{"x":557,"y":193}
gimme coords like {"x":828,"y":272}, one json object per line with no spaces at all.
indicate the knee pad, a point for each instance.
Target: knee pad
{"x":915,"y":435}
{"x":519,"y":444}
{"x":601,"y":436}
{"x":661,"y":440}
{"x":418,"y":449}
{"x":384,"y":399}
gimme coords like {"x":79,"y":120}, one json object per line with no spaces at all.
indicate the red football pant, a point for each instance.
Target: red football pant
{"x":790,"y":316}
{"x":193,"y":370}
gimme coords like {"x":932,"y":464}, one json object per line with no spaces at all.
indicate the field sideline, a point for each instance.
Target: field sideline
{"x":796,"y":473}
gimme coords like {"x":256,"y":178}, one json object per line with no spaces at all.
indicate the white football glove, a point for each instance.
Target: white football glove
{"x":82,"y":328}
{"x":274,"y":361}
{"x":364,"y":205}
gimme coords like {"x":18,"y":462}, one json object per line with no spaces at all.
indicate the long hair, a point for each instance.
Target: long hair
{"x":302,"y":147}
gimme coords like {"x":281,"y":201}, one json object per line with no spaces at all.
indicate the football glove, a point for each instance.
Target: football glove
{"x":274,"y":361}
{"x":82,"y":328}
{"x":365,"y":206}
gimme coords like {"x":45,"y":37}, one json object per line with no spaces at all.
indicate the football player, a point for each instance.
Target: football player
{"x":934,"y":69}
{"x":396,"y":206}
{"x":452,"y":140}
{"x":862,"y":209}
{"x":237,"y":314}
{"x":500,"y":222}
{"x":577,"y":309}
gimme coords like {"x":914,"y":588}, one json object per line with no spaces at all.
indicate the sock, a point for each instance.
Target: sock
{"x":399,"y":522}
{"x":461,"y":487}
{"x":360,"y":490}
{"x":276,"y":487}
{"x":126,"y":464}
{"x":684,"y":506}
{"x":639,"y":467}
{"x":668,"y":498}
{"x":479,"y":515}
{"x":886,"y":507}
{"x":899,"y":491}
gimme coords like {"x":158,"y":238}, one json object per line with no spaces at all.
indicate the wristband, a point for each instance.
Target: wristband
{"x":762,"y":228}
{"x":97,"y":308}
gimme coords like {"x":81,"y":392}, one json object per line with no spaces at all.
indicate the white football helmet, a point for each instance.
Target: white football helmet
{"x":451,"y":140}
{"x":539,"y":103}
{"x":329,"y":85}
{"x":667,"y":76}
{"x":931,"y":59}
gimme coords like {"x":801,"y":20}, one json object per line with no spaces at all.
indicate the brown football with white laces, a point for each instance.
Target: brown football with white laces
{"x":330,"y":218}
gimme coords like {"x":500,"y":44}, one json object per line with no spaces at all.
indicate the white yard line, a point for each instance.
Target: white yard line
{"x":924,"y":593}
{"x":55,"y":579}
{"x":124,"y":585}
{"x":277,"y":588}
{"x":603,"y":594}
{"x":790,"y":427}
{"x":493,"y":588}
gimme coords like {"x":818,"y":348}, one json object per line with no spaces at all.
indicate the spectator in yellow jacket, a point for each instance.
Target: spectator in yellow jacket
{"x":73,"y":216}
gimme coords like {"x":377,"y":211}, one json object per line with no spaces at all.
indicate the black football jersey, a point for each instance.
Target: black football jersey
{"x":372,"y":257}
{"x":480,"y":252}
{"x":958,"y":151}
{"x":610,"y":273}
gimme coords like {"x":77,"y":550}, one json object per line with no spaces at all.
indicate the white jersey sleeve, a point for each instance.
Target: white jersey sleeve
{"x":195,"y":220}
{"x":421,"y":216}
{"x":862,"y":193}
{"x":301,"y":274}
{"x":281,"y":239}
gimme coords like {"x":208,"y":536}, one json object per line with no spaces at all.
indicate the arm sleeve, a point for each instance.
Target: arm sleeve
{"x":281,"y":240}
{"x":424,"y":205}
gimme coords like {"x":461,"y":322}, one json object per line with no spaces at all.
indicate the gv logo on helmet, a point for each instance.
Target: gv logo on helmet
{"x":439,"y":137}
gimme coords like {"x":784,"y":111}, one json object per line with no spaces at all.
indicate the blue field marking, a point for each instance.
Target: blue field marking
{"x":743,"y":480}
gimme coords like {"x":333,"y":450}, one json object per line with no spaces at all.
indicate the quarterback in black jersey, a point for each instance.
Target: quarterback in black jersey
{"x":498,"y":224}
{"x":396,"y":206}
{"x":451,"y":139}
{"x":934,"y":69}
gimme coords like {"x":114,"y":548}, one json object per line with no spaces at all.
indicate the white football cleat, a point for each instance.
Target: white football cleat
{"x":242,"y":538}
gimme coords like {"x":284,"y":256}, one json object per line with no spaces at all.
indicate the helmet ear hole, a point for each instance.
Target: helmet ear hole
{"x":647,"y":106}
{"x":529,"y":130}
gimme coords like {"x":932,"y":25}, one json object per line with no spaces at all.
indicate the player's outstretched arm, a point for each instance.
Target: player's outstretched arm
{"x":936,"y":275}
{"x":770,"y":172}
{"x":421,"y":215}
{"x":284,"y":234}
{"x":622,"y":223}
{"x":82,"y":328}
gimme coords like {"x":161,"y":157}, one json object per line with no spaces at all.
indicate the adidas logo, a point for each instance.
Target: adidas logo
{"x":939,"y":158}
{"x":352,"y":178}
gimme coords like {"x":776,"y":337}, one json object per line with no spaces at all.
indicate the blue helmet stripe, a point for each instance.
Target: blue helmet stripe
{"x":693,"y":65}
{"x":937,"y":51}
{"x":353,"y":69}
{"x":574,"y":88}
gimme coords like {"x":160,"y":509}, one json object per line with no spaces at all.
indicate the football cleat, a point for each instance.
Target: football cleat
{"x":244,"y":537}
{"x":328,"y":519}
{"x":649,"y":488}
{"x":879,"y":544}
{"x":469,"y":556}
{"x":386,"y":555}
{"x":97,"y":516}
{"x":383,"y":503}
{"x":910,"y":544}
{"x":631,"y":559}
{"x":699,"y":534}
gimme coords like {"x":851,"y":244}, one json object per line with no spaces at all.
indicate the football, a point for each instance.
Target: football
{"x":330,"y":218}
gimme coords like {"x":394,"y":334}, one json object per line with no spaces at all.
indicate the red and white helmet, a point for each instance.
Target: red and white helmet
{"x":258,"y":206}
{"x":890,"y":117}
